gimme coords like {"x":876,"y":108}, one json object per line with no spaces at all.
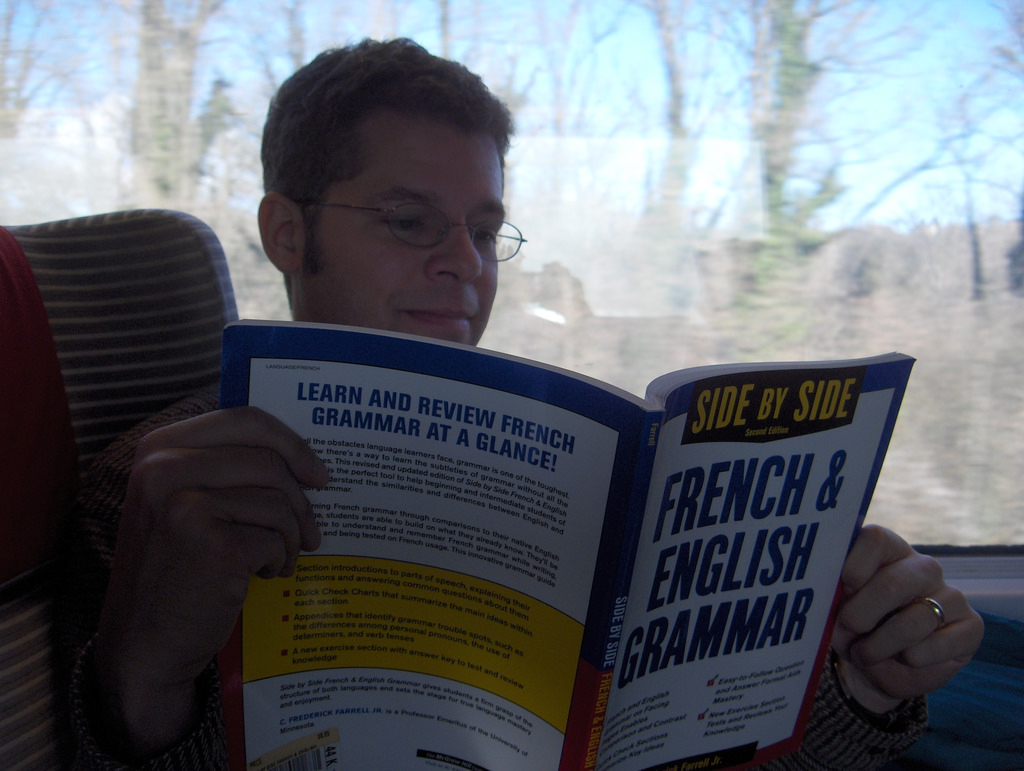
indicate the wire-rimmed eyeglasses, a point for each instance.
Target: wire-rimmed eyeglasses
{"x":420,"y":224}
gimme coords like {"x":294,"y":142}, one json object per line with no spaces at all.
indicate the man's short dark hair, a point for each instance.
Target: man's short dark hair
{"x":310,"y":139}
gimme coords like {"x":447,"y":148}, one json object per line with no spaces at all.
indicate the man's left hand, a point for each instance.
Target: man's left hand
{"x":901,"y":631}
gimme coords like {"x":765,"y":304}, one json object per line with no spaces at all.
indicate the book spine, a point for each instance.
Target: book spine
{"x":608,"y":605}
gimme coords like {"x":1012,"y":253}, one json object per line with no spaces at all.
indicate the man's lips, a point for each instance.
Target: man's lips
{"x":442,"y":315}
{"x":456,"y":326}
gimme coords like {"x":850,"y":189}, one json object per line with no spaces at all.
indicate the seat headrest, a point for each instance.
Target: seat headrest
{"x":137,"y":301}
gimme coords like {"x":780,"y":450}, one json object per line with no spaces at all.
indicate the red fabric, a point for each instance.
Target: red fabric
{"x":38,"y":463}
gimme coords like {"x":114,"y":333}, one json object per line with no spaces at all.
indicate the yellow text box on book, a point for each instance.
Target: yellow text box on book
{"x":357,"y":612}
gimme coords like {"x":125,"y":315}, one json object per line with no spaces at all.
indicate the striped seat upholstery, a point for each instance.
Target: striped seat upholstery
{"x":32,"y":731}
{"x":137,"y":301}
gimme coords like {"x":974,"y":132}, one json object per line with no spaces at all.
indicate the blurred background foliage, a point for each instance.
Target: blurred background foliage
{"x":699,"y":182}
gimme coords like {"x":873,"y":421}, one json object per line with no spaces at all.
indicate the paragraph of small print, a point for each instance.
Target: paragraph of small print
{"x":310,"y":753}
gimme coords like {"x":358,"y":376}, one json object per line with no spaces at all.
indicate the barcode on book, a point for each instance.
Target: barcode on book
{"x":308,"y":761}
{"x":308,"y":753}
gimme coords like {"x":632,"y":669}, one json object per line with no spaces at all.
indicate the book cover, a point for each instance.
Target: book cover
{"x":520,"y":565}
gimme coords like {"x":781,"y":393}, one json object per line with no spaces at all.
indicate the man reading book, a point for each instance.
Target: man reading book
{"x":383,"y":170}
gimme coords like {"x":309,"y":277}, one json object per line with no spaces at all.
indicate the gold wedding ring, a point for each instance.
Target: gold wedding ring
{"x":936,"y":608}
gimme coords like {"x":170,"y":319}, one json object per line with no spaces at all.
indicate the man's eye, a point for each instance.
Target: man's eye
{"x":485,"y":234}
{"x":407,"y":224}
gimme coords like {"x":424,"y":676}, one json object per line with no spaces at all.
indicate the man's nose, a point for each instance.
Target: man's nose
{"x":458,"y":254}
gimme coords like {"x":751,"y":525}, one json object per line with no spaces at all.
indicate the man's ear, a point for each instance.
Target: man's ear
{"x":282,"y":232}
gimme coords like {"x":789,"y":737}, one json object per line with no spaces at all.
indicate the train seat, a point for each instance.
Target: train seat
{"x":104,"y":320}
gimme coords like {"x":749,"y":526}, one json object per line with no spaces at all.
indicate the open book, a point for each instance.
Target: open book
{"x":525,"y":568}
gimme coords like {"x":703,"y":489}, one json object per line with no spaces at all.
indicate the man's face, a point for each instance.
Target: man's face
{"x":369,"y":278}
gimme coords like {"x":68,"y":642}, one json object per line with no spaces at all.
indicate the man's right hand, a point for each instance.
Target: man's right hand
{"x":211,"y":502}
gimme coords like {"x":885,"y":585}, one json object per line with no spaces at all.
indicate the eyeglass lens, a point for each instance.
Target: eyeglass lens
{"x":425,"y":225}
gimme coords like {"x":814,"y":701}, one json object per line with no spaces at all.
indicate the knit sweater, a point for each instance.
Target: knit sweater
{"x":838,"y":736}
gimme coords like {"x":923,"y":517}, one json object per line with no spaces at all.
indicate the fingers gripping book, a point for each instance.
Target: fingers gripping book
{"x":525,"y":568}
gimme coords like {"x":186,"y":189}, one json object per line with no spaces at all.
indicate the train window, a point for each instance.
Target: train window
{"x":699,"y":182}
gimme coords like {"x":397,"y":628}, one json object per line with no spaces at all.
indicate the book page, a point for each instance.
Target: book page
{"x":441,"y":618}
{"x":756,"y":494}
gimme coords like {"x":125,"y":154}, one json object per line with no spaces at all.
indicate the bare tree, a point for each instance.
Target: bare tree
{"x":39,"y":56}
{"x":1009,"y":59}
{"x":778,"y":113}
{"x":676,"y":215}
{"x":969,"y":148}
{"x":1009,"y":55}
{"x":1015,"y":257}
{"x":686,"y":44}
{"x":445,"y":18}
{"x":166,"y":134}
{"x":801,"y":59}
{"x":19,"y":61}
{"x":777,"y":65}
{"x":569,"y":41}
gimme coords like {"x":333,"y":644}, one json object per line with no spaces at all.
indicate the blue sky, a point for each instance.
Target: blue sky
{"x":885,"y":125}
{"x":904,"y":90}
